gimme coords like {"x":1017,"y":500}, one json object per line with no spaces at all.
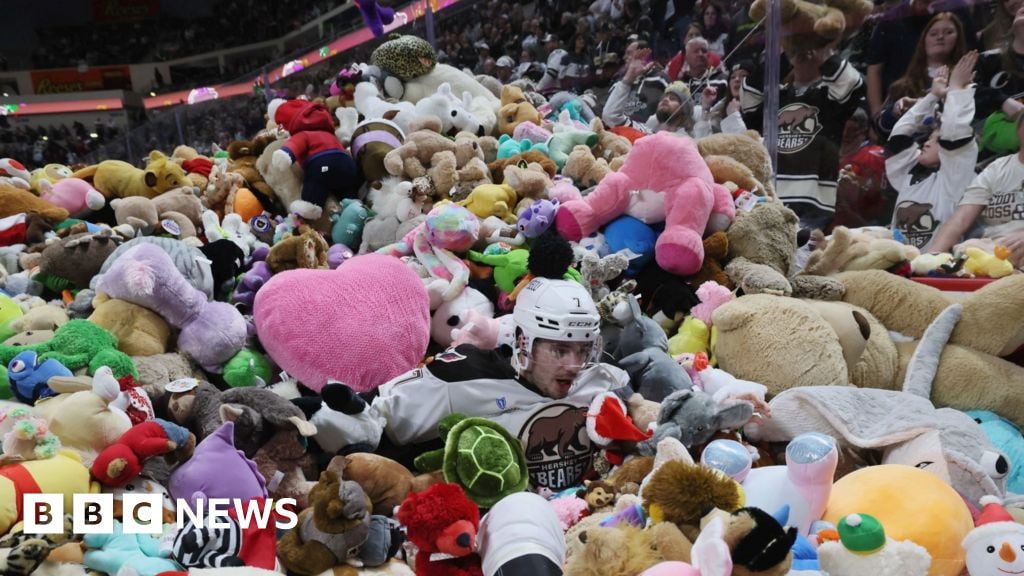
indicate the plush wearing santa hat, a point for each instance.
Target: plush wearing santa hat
{"x":996,"y":545}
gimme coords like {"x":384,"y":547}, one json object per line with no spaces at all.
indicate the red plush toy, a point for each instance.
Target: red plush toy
{"x":122,"y":461}
{"x":442,"y":522}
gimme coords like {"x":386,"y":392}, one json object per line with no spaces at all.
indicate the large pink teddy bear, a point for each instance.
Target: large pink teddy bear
{"x":664,"y":179}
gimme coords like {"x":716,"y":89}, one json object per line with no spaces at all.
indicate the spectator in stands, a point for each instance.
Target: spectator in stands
{"x":860,"y":200}
{"x":931,"y":178}
{"x":997,"y":33}
{"x":725,"y":115}
{"x":815,"y":102}
{"x":894,"y":41}
{"x":1000,"y":85}
{"x":715,"y":26}
{"x":942,"y":44}
{"x":634,"y":98}
{"x":578,"y":67}
{"x":993,"y":205}
{"x":555,"y":63}
{"x":693,"y":68}
{"x":503,"y":68}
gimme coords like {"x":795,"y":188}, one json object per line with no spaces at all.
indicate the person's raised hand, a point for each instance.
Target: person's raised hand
{"x":707,"y":97}
{"x":1015,"y":243}
{"x":940,"y":84}
{"x":902,"y":105}
{"x":638,"y":65}
{"x":963,"y":72}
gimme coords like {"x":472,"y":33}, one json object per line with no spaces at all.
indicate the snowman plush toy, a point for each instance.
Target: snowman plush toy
{"x":996,"y":545}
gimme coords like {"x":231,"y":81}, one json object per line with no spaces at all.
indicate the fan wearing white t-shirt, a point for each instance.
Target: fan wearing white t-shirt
{"x":995,"y":201}
{"x":931,"y":179}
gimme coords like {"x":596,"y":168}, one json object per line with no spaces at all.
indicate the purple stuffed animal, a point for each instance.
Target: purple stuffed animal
{"x":252,"y":281}
{"x":538,"y":218}
{"x":217,"y":470}
{"x":210,"y":332}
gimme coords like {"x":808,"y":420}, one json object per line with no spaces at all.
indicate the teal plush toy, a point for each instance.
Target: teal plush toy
{"x":141,"y":554}
{"x":1005,"y":436}
{"x":562,"y":143}
{"x":509,"y":146}
{"x":348,"y":224}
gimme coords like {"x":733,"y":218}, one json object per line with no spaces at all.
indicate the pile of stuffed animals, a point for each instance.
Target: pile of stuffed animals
{"x":179,"y":329}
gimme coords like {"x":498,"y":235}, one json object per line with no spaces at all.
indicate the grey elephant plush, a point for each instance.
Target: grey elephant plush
{"x":642,"y":351}
{"x":693,"y":417}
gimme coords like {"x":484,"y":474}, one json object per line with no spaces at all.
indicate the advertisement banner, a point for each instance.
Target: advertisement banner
{"x":124,"y":10}
{"x":63,"y":80}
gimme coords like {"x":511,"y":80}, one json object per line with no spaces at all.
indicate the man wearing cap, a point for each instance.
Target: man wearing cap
{"x":503,"y":69}
{"x":556,"y":61}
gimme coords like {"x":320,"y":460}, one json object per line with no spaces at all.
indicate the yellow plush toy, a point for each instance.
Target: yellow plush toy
{"x":51,"y":173}
{"x":981,"y":263}
{"x":117,"y":179}
{"x":139,"y":331}
{"x":63,"y":474}
{"x":492,"y":200}
{"x":913,"y":505}
{"x":694,"y":336}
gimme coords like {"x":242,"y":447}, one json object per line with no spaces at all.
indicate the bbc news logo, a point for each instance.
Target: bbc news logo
{"x":143,"y":513}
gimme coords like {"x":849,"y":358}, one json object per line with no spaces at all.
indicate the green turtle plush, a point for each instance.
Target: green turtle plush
{"x":480,"y":456}
{"x":78,"y":344}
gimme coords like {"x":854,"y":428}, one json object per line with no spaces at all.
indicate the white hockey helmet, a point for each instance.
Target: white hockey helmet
{"x":559,"y":310}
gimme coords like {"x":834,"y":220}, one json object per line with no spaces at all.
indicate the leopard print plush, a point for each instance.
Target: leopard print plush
{"x":406,"y":57}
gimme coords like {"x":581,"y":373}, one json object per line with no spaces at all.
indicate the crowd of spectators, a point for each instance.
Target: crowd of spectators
{"x":862,"y":138}
{"x":232,"y":23}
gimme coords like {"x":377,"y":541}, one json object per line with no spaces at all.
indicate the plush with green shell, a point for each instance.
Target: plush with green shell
{"x":78,"y":344}
{"x":480,"y":456}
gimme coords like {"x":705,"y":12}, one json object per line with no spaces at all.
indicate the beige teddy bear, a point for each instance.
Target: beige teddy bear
{"x":530,"y":183}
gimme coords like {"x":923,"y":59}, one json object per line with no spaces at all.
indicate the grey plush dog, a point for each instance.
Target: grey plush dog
{"x":642,"y":352}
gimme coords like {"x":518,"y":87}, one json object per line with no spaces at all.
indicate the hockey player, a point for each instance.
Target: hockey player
{"x":541,"y":394}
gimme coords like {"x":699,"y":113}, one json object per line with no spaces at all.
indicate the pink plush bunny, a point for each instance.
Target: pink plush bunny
{"x":664,"y":179}
{"x":710,"y":556}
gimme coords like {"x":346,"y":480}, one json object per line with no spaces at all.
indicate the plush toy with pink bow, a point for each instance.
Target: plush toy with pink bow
{"x":664,"y":179}
{"x":210,"y":332}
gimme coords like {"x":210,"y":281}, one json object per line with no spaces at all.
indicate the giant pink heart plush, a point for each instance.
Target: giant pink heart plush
{"x":361,"y":324}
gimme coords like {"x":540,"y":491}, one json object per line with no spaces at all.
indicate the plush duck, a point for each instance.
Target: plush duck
{"x":996,"y":545}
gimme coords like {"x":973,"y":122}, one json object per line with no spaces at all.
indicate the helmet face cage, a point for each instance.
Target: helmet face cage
{"x":555,"y":310}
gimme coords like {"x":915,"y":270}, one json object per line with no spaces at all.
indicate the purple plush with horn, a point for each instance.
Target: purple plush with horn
{"x":210,"y":332}
{"x":538,"y":218}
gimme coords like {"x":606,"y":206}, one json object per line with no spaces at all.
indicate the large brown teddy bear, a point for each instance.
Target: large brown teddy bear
{"x":785,"y":343}
{"x":811,"y":25}
{"x":117,"y":179}
{"x":762,"y":245}
{"x":747,"y":150}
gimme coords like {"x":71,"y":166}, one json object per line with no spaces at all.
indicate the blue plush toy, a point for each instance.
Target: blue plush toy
{"x":805,"y":555}
{"x":1005,"y":436}
{"x":28,"y":376}
{"x":348,"y":224}
{"x":629,"y":233}
{"x":141,"y":553}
